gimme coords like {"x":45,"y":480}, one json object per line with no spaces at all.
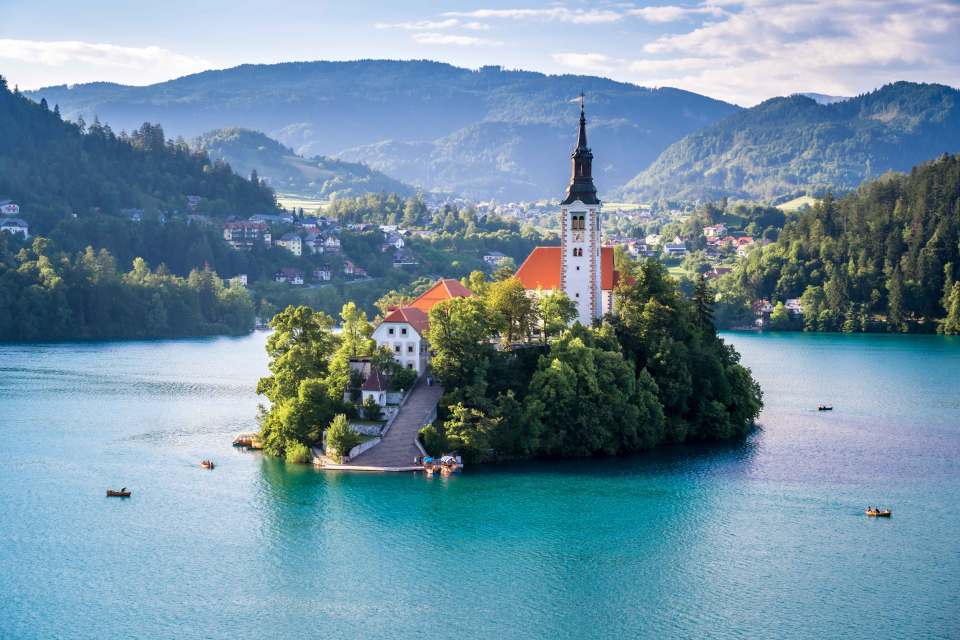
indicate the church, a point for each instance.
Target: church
{"x":580,"y":267}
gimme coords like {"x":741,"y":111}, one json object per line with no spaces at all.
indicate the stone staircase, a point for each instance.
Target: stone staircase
{"x":398,"y":448}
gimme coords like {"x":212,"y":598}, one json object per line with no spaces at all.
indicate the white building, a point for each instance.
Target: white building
{"x":675,"y":249}
{"x":15,"y":226}
{"x":292,"y":243}
{"x":8,"y":208}
{"x":580,"y":266}
{"x":404,"y":330}
{"x":494,"y":258}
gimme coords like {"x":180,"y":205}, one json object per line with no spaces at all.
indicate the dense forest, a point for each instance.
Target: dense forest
{"x":249,"y":152}
{"x":55,"y":169}
{"x":793,"y":145}
{"x":885,"y":258}
{"x":520,"y":383}
{"x":47,"y":294}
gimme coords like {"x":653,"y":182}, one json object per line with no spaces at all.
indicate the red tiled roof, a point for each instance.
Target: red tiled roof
{"x":374,"y":381}
{"x":445,"y":289}
{"x":416,"y":318}
{"x":541,"y":269}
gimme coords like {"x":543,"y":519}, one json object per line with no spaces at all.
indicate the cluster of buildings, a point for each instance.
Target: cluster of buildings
{"x":763,"y":310}
{"x":718,"y":238}
{"x":10,"y":222}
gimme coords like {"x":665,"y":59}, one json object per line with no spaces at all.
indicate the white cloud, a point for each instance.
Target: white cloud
{"x":420,"y":25}
{"x":562,"y":14}
{"x":453,"y":39}
{"x":77,"y":61}
{"x":671,"y":13}
{"x":749,"y":50}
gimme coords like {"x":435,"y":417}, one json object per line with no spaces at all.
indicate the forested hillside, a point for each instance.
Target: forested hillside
{"x":53,"y":168}
{"x":791,"y":145}
{"x":46,"y":294}
{"x":320,"y":177}
{"x":883,"y":258}
{"x":526,"y":120}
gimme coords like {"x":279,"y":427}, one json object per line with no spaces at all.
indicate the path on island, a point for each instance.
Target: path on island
{"x":398,"y":448}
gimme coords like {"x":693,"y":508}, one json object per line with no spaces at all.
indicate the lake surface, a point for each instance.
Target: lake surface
{"x":760,"y":539}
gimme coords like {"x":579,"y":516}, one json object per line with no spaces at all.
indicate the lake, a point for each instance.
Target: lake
{"x":758,"y":539}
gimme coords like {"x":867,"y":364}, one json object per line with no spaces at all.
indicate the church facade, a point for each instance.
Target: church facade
{"x":580,"y":267}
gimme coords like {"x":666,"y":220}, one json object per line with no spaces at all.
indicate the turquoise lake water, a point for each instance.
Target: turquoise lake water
{"x":760,"y":539}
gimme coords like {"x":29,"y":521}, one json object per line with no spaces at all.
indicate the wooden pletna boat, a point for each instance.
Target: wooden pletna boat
{"x":207,"y":464}
{"x":825,"y":407}
{"x":122,"y":493}
{"x":876,"y":512}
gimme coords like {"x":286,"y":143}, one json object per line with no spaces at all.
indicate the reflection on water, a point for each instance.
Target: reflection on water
{"x":760,"y":538}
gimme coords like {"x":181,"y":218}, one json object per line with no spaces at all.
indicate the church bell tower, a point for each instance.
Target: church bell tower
{"x":580,"y":276}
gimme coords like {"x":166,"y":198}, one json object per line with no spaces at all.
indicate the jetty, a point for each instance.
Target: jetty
{"x":399,"y":447}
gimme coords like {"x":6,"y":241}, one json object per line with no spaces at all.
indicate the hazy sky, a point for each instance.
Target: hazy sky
{"x":742,"y":51}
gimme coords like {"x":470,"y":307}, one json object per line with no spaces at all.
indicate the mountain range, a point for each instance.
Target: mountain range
{"x":795,"y":145}
{"x":495,"y":133}
{"x":318,"y":177}
{"x":484,"y":133}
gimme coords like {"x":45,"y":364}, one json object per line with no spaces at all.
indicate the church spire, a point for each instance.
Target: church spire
{"x":581,"y":182}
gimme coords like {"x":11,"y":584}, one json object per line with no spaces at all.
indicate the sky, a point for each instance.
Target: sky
{"x":741,"y":51}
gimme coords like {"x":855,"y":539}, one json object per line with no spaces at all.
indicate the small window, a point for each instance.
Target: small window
{"x":403,"y":331}
{"x":396,"y":348}
{"x":390,"y":331}
{"x":409,"y":365}
{"x":409,"y":348}
{"x":578,"y":295}
{"x":578,"y":267}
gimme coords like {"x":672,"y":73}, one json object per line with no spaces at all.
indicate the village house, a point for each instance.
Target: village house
{"x":351,"y":269}
{"x":239,"y":280}
{"x":272,"y":218}
{"x":243,"y":234}
{"x":323,"y":273}
{"x":292,"y":243}
{"x":638,"y":249}
{"x":374,"y":387}
{"x":9,"y":209}
{"x":289,"y":275}
{"x":716,"y":272}
{"x":404,"y":329}
{"x":715,"y":231}
{"x":331,"y":244}
{"x":494,"y":258}
{"x":15,"y":226}
{"x":653,"y":240}
{"x":675,"y":249}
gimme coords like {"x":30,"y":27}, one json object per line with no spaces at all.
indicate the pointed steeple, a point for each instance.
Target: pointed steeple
{"x":581,"y":182}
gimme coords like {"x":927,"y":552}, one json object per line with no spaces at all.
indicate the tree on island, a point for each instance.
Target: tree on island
{"x":304,"y":396}
{"x":655,"y":372}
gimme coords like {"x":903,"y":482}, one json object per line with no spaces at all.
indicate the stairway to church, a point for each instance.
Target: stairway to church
{"x":397,"y":449}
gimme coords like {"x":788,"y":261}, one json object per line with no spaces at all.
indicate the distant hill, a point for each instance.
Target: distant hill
{"x":427,"y":123}
{"x":790,"y":145}
{"x":318,"y":177}
{"x":53,"y":168}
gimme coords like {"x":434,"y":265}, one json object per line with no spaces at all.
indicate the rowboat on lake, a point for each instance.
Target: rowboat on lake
{"x":113,"y":493}
{"x":207,"y":464}
{"x":825,"y":407}
{"x":874,"y":512}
